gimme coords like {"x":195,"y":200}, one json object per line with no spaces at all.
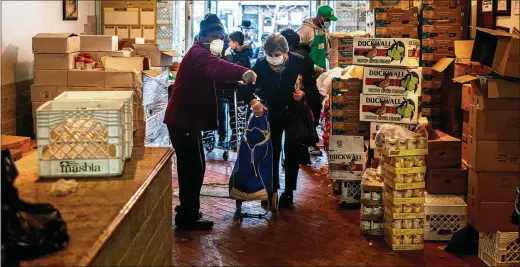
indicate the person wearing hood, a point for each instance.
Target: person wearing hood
{"x":309,"y":80}
{"x":313,"y":33}
{"x":192,"y":108}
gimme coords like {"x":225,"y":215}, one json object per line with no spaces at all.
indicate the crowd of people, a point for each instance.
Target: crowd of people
{"x":269,"y":72}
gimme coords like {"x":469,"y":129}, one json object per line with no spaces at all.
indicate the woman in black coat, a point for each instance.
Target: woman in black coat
{"x":277,"y":75}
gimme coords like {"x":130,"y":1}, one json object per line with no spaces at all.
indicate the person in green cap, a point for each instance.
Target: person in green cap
{"x":314,"y":34}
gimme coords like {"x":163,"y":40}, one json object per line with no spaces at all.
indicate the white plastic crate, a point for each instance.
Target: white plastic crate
{"x":350,"y":191}
{"x":80,"y":138}
{"x":127,"y":96}
{"x":444,"y":215}
{"x":499,"y":249}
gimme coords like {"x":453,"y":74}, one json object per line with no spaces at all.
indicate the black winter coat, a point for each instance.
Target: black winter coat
{"x":309,"y":77}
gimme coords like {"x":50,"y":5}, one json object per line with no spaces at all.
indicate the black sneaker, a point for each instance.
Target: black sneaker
{"x":286,"y":201}
{"x":200,"y":225}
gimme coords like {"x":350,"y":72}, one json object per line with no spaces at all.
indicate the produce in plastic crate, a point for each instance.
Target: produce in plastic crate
{"x":81,"y":138}
{"x":445,"y":215}
{"x":127,"y":96}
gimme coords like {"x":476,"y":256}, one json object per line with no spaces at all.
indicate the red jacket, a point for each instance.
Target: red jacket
{"x":193,"y":101}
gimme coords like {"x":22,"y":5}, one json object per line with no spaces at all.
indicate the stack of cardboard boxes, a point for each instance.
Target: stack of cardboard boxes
{"x":55,"y":70}
{"x":347,"y":149}
{"x":393,"y":22}
{"x":441,"y":25}
{"x":341,"y":48}
{"x":493,"y":132}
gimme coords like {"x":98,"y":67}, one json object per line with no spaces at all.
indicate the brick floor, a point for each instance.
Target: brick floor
{"x":315,"y":233}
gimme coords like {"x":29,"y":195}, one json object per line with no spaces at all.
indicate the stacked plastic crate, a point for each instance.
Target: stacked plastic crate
{"x":403,"y":171}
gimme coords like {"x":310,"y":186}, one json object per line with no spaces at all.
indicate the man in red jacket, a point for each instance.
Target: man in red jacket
{"x":192,"y":107}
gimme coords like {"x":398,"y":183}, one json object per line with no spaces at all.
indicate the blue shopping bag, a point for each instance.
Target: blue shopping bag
{"x":252,"y":177}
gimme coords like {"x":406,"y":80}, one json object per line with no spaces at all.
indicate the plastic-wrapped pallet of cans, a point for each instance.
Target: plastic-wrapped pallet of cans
{"x":403,"y":171}
{"x":372,"y":209}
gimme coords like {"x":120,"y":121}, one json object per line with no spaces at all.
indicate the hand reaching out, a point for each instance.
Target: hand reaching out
{"x":298,"y":95}
{"x":258,"y":108}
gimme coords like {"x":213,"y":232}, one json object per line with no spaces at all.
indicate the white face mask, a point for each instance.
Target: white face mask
{"x":326,"y":25}
{"x":275,"y":61}
{"x":216,"y":47}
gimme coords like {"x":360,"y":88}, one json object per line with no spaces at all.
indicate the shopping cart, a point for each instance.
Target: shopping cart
{"x":235,"y":113}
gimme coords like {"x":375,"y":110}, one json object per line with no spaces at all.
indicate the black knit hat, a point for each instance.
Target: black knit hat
{"x":210,"y":23}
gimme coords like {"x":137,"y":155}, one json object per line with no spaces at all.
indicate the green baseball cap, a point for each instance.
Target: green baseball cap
{"x":327,"y":12}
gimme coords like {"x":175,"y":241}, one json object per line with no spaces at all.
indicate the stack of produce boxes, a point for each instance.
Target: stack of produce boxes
{"x":341,"y":48}
{"x":371,"y":203}
{"x":393,"y":23}
{"x":441,"y":25}
{"x":403,"y":170}
{"x":391,"y":81}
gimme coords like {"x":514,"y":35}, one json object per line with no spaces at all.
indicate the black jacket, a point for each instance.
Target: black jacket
{"x":276,"y":88}
{"x":239,"y":56}
{"x":309,"y":77}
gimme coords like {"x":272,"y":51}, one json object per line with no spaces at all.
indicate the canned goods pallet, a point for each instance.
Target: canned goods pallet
{"x":444,"y":215}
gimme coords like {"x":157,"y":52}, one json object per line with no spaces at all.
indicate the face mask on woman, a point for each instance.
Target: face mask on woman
{"x":275,"y":61}
{"x":216,"y":47}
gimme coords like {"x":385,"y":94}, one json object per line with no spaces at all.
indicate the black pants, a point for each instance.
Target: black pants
{"x":191,"y":166}
{"x":292,"y":165}
{"x":222,"y":125}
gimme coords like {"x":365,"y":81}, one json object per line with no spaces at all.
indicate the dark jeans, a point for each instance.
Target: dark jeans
{"x":222,"y":125}
{"x":292,"y":165}
{"x":191,"y":166}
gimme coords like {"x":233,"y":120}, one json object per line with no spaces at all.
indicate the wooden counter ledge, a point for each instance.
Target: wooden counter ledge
{"x":117,"y":221}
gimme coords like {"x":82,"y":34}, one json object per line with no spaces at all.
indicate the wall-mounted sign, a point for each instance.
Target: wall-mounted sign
{"x":503,"y":7}
{"x":487,"y":5}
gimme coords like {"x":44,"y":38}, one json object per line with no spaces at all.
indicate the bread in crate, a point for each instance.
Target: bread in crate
{"x":127,"y":96}
{"x":499,"y":249}
{"x":445,"y":215}
{"x":81,"y":138}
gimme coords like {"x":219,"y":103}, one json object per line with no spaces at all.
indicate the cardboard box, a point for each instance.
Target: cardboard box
{"x":436,"y":41}
{"x":55,"y":43}
{"x":126,"y":63}
{"x":396,"y":15}
{"x":431,"y":110}
{"x":442,"y":3}
{"x":442,"y":13}
{"x":444,"y":152}
{"x":499,"y":50}
{"x":501,"y":125}
{"x":452,"y":181}
{"x":54,"y":61}
{"x":45,"y":93}
{"x":50,"y":77}
{"x":452,"y":120}
{"x":119,"y":78}
{"x":343,"y":41}
{"x":464,"y":149}
{"x":388,"y":81}
{"x":98,"y":43}
{"x":393,"y":109}
{"x":490,"y":216}
{"x":158,"y":58}
{"x":375,"y":126}
{"x":493,"y":155}
{"x":97,"y":56}
{"x":467,"y":97}
{"x":345,"y":115}
{"x":431,"y":96}
{"x":493,"y":92}
{"x":395,"y":29}
{"x":435,"y":54}
{"x":432,"y":28}
{"x":347,"y":157}
{"x":21,"y":143}
{"x":460,"y":65}
{"x":349,"y":128}
{"x":404,"y":4}
{"x":493,"y":186}
{"x":376,"y":51}
{"x":87,"y":78}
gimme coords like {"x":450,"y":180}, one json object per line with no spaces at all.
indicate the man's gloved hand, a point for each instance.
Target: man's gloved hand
{"x":249,"y":77}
